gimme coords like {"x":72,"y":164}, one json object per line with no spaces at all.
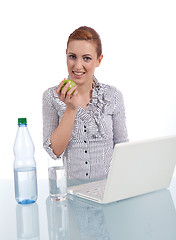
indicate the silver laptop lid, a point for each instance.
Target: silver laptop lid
{"x":140,"y":167}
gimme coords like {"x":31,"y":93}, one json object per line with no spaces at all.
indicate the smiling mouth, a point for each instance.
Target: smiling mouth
{"x":78,"y":73}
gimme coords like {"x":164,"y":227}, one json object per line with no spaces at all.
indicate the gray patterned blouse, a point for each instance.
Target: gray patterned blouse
{"x":96,"y":130}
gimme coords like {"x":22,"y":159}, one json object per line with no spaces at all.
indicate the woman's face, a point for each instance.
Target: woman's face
{"x":82,"y":60}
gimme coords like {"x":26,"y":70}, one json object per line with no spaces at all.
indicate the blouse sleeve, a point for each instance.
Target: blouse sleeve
{"x":50,"y":122}
{"x":119,"y":120}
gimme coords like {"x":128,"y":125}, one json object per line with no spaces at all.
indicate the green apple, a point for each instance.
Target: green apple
{"x":72,"y":84}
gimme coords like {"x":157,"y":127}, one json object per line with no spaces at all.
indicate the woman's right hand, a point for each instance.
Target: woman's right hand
{"x":70,"y":98}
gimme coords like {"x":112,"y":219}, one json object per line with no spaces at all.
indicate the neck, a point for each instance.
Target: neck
{"x":86,"y":89}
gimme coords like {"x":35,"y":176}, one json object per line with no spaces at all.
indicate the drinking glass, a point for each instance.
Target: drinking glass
{"x":57,"y":178}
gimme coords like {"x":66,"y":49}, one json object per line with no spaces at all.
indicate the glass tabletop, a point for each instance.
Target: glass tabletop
{"x":150,"y":216}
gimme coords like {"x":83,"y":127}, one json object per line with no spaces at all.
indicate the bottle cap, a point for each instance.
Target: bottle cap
{"x":22,"y":121}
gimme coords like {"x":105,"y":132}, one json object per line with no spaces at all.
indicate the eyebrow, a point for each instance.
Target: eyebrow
{"x":71,"y":53}
{"x":85,"y":55}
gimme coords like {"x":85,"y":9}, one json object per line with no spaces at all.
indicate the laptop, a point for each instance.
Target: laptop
{"x":137,"y":167}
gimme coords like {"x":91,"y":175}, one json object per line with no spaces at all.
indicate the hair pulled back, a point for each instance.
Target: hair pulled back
{"x":88,"y":34}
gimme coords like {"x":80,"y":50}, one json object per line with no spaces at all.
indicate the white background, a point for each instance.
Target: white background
{"x":139,"y":50}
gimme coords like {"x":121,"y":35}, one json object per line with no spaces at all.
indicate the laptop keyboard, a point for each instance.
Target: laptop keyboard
{"x":95,"y":190}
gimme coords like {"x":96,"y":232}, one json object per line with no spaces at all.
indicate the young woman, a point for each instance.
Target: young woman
{"x":85,"y":123}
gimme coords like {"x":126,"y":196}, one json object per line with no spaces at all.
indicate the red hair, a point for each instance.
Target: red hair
{"x":88,"y":34}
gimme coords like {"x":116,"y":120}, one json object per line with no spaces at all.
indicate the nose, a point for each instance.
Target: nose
{"x":78,"y":64}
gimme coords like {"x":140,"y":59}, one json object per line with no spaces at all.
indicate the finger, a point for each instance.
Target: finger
{"x":70,"y":95}
{"x":65,"y":89}
{"x":72,"y":90}
{"x":75,"y":93}
{"x":59,"y":87}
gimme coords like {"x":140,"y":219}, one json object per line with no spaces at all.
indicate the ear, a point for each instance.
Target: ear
{"x":99,"y":60}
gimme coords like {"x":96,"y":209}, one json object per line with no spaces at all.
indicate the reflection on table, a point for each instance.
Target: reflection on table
{"x":27,"y":220}
{"x":150,"y":216}
{"x":57,"y":215}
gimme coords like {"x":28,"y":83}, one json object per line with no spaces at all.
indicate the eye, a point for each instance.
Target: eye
{"x":72,"y":56}
{"x":87,"y":59}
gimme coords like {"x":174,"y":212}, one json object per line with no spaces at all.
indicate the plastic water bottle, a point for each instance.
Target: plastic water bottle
{"x":25,"y":177}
